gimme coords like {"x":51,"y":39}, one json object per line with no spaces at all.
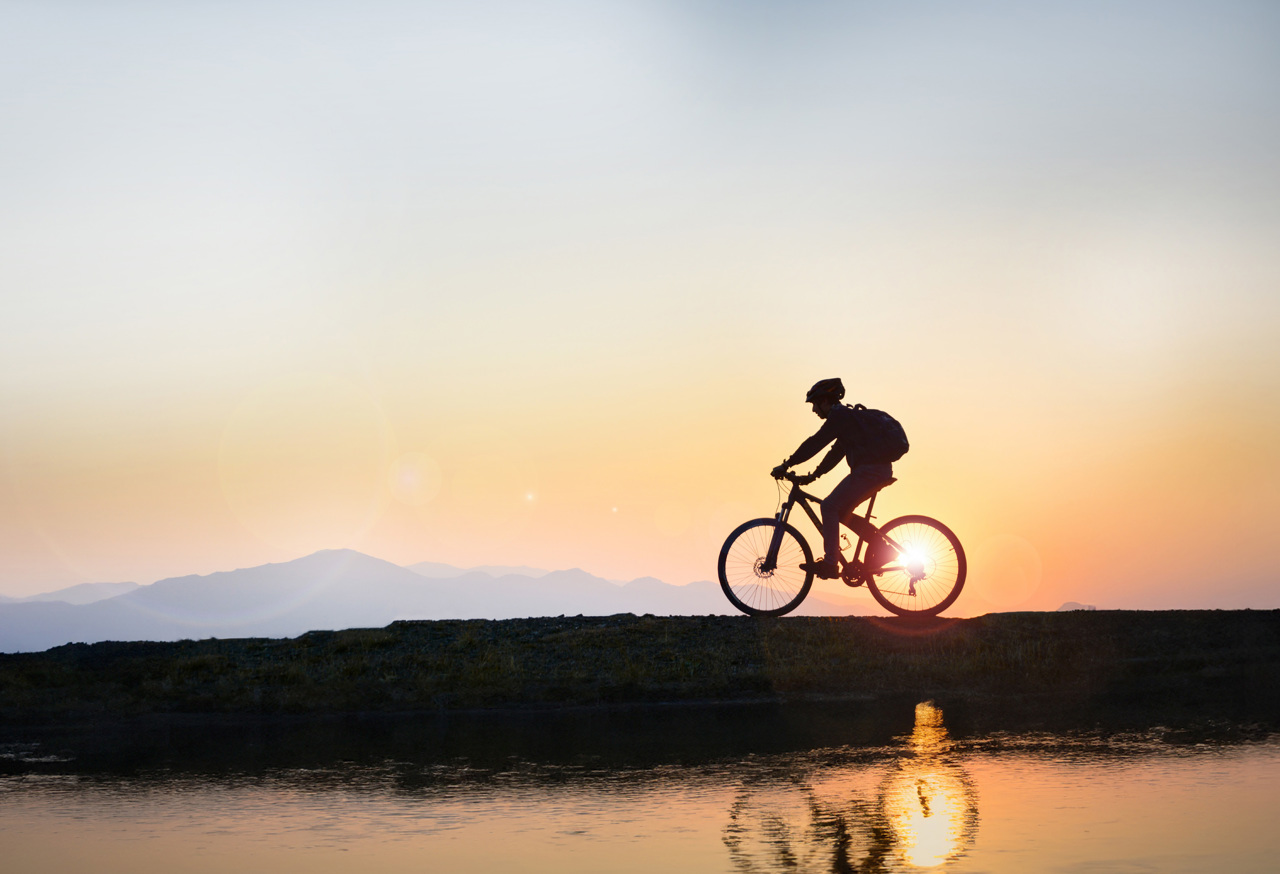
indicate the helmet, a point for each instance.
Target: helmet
{"x":825,"y":388}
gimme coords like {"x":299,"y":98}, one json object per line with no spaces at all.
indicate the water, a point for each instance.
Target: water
{"x":915,"y":800}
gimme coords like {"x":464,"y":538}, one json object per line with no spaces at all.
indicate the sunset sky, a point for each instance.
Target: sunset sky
{"x":545,"y":283}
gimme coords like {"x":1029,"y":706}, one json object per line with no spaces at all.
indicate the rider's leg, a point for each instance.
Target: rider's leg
{"x":855,"y":488}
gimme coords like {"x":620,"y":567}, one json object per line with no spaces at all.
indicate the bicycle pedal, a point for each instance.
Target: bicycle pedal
{"x":820,"y":569}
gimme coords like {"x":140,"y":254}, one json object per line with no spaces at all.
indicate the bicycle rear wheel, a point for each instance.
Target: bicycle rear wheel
{"x":764,"y":593}
{"x":926,"y":576}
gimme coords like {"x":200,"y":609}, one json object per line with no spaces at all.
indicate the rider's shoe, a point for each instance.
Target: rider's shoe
{"x":823,"y":569}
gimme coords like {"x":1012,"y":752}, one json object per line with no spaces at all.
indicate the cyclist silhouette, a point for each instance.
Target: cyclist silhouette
{"x":865,"y":476}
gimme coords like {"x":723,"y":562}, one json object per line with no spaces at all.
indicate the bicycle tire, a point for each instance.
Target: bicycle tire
{"x":939,"y":570}
{"x":756,"y":594}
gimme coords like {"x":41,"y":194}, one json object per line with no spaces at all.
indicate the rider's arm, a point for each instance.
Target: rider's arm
{"x":830,"y":460}
{"x":809,"y":448}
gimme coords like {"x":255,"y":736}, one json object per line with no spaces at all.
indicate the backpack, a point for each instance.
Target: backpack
{"x":883,"y":438}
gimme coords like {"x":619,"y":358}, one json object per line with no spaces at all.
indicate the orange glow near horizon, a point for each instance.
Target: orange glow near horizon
{"x":650,"y":487}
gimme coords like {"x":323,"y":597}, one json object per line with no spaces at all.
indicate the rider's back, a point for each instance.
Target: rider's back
{"x":866,"y":436}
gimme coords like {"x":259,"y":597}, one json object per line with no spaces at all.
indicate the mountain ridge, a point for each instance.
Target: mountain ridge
{"x":337,"y":589}
{"x":81,"y":593}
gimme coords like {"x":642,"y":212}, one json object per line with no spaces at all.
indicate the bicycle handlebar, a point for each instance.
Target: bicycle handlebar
{"x":792,"y":476}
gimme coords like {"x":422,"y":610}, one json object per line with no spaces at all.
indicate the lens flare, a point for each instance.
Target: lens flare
{"x":414,"y":478}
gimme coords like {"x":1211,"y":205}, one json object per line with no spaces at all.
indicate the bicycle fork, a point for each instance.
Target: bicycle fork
{"x":770,"y":563}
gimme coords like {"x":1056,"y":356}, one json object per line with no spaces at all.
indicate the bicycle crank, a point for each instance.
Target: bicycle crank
{"x":853,"y":574}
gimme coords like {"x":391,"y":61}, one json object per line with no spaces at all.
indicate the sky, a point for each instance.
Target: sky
{"x":545,"y":283}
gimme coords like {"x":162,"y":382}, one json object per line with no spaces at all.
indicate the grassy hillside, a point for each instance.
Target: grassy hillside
{"x":1179,"y":657}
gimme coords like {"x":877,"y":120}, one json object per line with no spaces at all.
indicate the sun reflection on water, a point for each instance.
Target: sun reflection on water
{"x":921,"y":814}
{"x":928,"y":802}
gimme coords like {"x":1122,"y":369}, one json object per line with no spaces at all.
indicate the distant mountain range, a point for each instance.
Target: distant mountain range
{"x":336,"y":589}
{"x":85,"y":593}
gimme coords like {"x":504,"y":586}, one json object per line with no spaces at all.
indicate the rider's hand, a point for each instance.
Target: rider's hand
{"x":778,"y":472}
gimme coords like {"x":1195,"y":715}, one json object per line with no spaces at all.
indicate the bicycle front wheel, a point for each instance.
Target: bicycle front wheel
{"x":927,"y":573}
{"x":751,"y":587}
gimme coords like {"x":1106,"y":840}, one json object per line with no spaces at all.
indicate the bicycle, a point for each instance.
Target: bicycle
{"x":913,"y":565}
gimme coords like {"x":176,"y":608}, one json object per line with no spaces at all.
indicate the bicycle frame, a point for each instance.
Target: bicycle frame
{"x":860,"y":524}
{"x":911,"y":565}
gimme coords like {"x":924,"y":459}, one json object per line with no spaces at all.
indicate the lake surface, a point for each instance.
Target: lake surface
{"x":918,"y":798}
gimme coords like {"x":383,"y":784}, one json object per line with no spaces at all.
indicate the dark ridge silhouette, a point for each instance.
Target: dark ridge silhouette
{"x":1197,"y":663}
